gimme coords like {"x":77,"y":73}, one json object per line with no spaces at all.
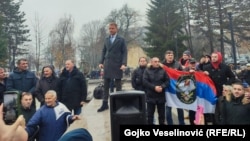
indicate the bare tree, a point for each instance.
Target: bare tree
{"x":38,"y":27}
{"x":62,"y":41}
{"x":89,"y":45}
{"x":127,"y":19}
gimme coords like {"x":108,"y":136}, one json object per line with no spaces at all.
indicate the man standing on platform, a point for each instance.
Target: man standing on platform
{"x":113,"y":61}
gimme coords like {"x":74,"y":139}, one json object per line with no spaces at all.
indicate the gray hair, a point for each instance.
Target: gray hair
{"x":52,"y":92}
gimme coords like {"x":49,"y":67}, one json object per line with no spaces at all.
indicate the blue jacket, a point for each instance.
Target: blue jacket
{"x":79,"y":134}
{"x":24,"y":81}
{"x":52,"y":121}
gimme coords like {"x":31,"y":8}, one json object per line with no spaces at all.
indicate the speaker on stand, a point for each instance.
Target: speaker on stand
{"x":126,"y":108}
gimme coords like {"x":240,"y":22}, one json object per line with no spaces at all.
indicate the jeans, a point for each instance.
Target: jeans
{"x":180,"y":113}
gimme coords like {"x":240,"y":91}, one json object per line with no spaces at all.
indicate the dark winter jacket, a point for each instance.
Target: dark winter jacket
{"x":24,"y":81}
{"x":233,"y":112}
{"x":45,"y":84}
{"x":220,"y":77}
{"x":72,"y":88}
{"x":136,"y":79}
{"x":155,"y":77}
{"x":218,"y":110}
{"x":2,"y":89}
{"x":246,"y":76}
{"x":52,"y":121}
{"x":201,"y":66}
{"x":27,"y":113}
{"x":174,"y":65}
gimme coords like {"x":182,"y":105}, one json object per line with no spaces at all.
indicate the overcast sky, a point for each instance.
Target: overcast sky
{"x":82,"y":11}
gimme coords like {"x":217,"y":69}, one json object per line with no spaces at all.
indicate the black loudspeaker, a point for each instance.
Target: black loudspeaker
{"x":126,"y":108}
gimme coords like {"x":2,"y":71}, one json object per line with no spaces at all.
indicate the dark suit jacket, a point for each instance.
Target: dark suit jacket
{"x":114,"y":55}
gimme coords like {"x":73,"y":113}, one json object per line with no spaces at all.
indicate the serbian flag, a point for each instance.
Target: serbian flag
{"x":188,"y":90}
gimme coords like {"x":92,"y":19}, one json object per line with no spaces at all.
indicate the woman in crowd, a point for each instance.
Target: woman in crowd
{"x":226,"y":94}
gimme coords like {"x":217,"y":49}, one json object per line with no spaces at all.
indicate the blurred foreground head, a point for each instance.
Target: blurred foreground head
{"x":79,"y":134}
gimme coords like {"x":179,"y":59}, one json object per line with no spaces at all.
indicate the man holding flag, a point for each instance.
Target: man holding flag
{"x":170,"y":61}
{"x":220,"y":74}
{"x":187,"y":90}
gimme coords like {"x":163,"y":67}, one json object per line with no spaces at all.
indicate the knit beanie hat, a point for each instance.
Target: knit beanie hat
{"x":79,"y":134}
{"x":187,"y":52}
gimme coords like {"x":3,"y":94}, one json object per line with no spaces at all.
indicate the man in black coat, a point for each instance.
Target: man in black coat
{"x":220,"y":74}
{"x":155,"y":80}
{"x":72,"y":88}
{"x":113,"y":61}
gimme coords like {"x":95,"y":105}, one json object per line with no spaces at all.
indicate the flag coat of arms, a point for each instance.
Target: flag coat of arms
{"x":188,"y":90}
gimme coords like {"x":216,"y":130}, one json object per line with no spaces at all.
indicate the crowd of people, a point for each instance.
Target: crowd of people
{"x":61,"y":99}
{"x":232,"y":89}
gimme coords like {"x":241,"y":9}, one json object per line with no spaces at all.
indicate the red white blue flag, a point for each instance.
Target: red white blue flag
{"x":188,"y":90}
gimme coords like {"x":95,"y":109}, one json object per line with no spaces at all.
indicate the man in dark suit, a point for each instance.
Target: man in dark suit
{"x":113,"y":61}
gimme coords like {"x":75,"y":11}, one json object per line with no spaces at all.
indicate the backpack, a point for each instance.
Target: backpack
{"x":99,"y":91}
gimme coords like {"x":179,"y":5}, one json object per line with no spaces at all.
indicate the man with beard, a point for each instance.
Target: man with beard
{"x":220,"y":74}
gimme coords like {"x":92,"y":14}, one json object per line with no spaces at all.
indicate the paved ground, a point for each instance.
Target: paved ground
{"x":98,"y":124}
